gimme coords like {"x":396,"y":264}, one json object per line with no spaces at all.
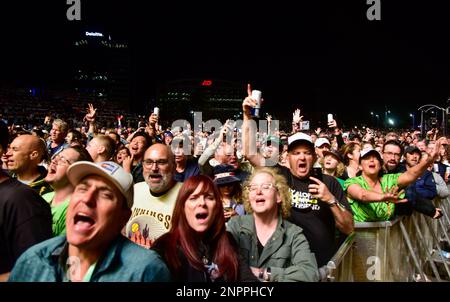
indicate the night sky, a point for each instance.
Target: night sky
{"x":323,"y":57}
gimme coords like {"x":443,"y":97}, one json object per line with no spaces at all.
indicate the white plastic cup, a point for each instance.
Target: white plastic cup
{"x":256,"y":95}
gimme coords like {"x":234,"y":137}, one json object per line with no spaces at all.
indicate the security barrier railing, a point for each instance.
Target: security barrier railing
{"x":408,"y":248}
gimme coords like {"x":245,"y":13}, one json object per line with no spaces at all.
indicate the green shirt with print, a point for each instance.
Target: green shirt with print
{"x":58,"y":213}
{"x":372,"y":211}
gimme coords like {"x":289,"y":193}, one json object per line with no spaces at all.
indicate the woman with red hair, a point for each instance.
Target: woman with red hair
{"x":198,"y":248}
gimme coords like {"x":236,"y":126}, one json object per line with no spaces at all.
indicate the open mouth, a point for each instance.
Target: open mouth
{"x":155,"y":177}
{"x":201,"y":217}
{"x":51,"y":169}
{"x":260,"y":200}
{"x":83,"y":222}
{"x":302,"y":167}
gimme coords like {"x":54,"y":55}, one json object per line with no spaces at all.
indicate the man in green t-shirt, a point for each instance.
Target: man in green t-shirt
{"x":57,"y":178}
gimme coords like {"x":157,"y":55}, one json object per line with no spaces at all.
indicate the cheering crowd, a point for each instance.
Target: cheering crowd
{"x":143,"y":203}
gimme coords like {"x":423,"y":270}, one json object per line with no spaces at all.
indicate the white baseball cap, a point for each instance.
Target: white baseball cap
{"x":299,"y":137}
{"x":321,"y":141}
{"x":107,"y":169}
{"x":367,"y":151}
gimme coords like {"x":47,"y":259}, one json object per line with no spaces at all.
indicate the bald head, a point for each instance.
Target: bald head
{"x":159,"y":168}
{"x":25,"y":152}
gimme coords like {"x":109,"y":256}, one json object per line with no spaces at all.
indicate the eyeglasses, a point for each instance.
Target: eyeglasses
{"x":263,"y":187}
{"x":61,"y":161}
{"x":160,"y":162}
{"x":393,"y":154}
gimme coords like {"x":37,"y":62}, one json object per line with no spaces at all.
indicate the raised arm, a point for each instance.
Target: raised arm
{"x":415,"y":172}
{"x":90,"y":117}
{"x":356,"y":192}
{"x":151,"y":129}
{"x":249,"y":132}
{"x":296,"y":121}
{"x":209,"y":151}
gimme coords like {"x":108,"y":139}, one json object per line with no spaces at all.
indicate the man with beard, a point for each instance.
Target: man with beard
{"x":421,"y":193}
{"x":392,"y":153}
{"x":154,"y":199}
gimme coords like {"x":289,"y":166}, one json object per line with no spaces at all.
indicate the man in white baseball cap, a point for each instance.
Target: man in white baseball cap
{"x":319,"y":204}
{"x":322,"y":144}
{"x":93,"y":248}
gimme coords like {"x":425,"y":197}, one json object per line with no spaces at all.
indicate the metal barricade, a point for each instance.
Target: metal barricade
{"x":381,"y":253}
{"x":407,"y":248}
{"x":404,"y":249}
{"x":339,"y":268}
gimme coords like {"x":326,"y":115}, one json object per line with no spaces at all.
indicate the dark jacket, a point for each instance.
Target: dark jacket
{"x":188,"y":273}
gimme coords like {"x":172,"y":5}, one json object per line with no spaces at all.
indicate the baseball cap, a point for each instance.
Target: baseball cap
{"x":168,"y":133}
{"x":297,"y":138}
{"x":412,"y":149}
{"x":122,"y":180}
{"x":368,"y":151}
{"x":333,"y":153}
{"x":321,"y":141}
{"x":223,"y":174}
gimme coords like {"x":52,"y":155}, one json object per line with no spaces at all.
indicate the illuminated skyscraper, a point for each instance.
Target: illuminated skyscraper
{"x":102,"y":67}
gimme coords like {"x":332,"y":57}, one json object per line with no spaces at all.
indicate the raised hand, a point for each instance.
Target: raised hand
{"x":434,"y":154}
{"x":224,"y":129}
{"x":296,"y":118}
{"x":248,"y":102}
{"x":332,"y":124}
{"x":128,"y":163}
{"x":393,"y":195}
{"x":153,"y":119}
{"x":91,"y":113}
